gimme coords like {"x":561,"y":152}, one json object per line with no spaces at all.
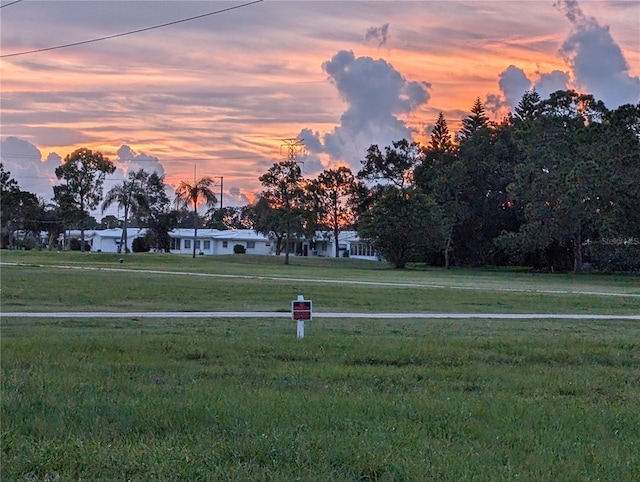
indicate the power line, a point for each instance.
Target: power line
{"x":74,"y":44}
{"x":213,"y":158}
{"x":12,"y":3}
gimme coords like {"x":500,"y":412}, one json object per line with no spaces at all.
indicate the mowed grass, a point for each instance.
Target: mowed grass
{"x":47,"y":281}
{"x":243,"y":399}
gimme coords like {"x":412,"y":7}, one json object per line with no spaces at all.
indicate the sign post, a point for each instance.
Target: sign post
{"x":301,"y":310}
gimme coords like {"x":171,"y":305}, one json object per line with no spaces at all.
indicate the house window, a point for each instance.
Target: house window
{"x":197,"y":244}
{"x":174,"y":243}
{"x":187,"y":244}
{"x":361,"y":249}
{"x":207,"y":244}
{"x":225,"y":244}
{"x":251,"y":244}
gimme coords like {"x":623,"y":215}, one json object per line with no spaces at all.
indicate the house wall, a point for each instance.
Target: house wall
{"x":214,"y":242}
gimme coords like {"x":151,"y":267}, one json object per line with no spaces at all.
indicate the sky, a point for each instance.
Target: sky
{"x":224,"y":94}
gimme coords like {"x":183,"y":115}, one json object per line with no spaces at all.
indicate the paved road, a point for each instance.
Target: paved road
{"x":281,"y":314}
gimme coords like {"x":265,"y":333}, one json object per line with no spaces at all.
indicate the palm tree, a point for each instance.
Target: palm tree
{"x":188,"y":194}
{"x":125,"y":195}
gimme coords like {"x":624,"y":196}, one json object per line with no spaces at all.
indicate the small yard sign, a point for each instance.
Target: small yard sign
{"x":301,"y":310}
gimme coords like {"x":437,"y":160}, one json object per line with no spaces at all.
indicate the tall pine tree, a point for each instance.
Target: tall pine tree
{"x":440,"y":140}
{"x":473,"y":122}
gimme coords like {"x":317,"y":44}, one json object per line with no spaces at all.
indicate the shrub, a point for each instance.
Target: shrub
{"x":27,"y":243}
{"x":239,"y":249}
{"x":140,"y":245}
{"x":74,"y":244}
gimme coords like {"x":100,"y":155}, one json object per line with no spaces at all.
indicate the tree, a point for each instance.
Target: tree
{"x":399,"y":220}
{"x":284,"y":193}
{"x":126,"y":196}
{"x":229,"y":217}
{"x":83,"y":172}
{"x":154,"y":211}
{"x":402,"y":225}
{"x":486,"y":156}
{"x":7,"y":183}
{"x":440,"y":139}
{"x":442,"y":176}
{"x":270,"y":221}
{"x":333,"y":198}
{"x":565,"y":178}
{"x":19,"y":211}
{"x":614,"y":230}
{"x":474,"y":122}
{"x":8,"y":189}
{"x":394,"y":166}
{"x":528,"y":107}
{"x":109,"y":222}
{"x":192,"y":194}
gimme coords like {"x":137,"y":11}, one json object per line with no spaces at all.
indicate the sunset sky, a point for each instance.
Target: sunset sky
{"x":220,"y":93}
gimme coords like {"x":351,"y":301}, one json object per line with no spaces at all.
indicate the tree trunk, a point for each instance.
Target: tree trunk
{"x":447,"y":248}
{"x":336,"y":234}
{"x":278,"y":245}
{"x":195,"y":230}
{"x":82,"y":233}
{"x":81,"y":225}
{"x":577,"y":252}
{"x":123,"y":234}
{"x":286,"y":246}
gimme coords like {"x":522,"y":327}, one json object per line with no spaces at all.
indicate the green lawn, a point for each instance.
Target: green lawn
{"x":263,"y":283}
{"x":364,"y":399}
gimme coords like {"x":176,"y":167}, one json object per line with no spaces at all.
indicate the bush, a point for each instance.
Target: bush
{"x":239,"y":249}
{"x":74,"y":244}
{"x":27,"y":243}
{"x":140,"y":245}
{"x":618,"y":255}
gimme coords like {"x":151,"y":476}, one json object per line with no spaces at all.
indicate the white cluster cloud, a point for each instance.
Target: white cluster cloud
{"x":235,"y":197}
{"x":25,"y":163}
{"x":376,"y":95}
{"x":129,"y":160}
{"x":597,"y":65}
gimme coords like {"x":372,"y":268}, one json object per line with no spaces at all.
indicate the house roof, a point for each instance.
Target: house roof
{"x":116,"y":233}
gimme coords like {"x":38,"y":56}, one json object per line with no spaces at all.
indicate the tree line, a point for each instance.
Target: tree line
{"x":141,"y":196}
{"x":553,"y":186}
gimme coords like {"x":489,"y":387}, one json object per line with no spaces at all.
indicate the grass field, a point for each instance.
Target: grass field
{"x":365,"y":399}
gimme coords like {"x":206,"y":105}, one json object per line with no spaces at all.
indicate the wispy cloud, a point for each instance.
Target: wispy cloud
{"x":379,"y":34}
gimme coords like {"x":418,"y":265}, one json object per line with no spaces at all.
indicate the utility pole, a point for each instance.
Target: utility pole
{"x":221,"y":187}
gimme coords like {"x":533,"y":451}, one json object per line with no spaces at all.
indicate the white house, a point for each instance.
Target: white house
{"x":350,"y":245}
{"x":215,"y":241}
{"x":108,"y":240}
{"x":65,"y":237}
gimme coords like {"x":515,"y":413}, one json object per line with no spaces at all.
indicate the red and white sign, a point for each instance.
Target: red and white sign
{"x":301,"y":310}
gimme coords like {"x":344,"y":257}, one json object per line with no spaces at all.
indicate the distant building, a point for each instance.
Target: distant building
{"x":216,"y":242}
